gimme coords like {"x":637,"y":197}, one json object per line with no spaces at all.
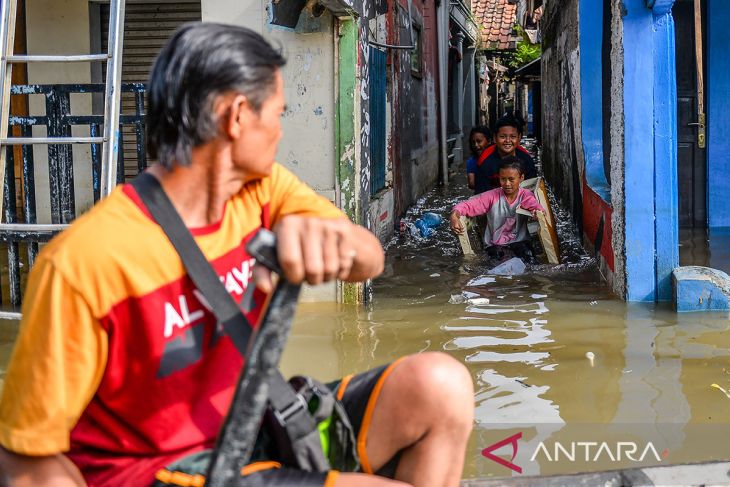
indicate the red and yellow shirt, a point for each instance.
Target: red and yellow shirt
{"x":118,"y":362}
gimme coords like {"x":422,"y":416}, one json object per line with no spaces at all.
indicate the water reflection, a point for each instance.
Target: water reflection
{"x":698,"y":246}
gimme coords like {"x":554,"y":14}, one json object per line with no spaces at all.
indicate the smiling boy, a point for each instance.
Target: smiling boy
{"x":507,"y":137}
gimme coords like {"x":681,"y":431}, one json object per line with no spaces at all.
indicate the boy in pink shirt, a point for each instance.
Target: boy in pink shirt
{"x":505,"y":227}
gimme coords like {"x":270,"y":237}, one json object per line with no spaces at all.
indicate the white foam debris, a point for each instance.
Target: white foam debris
{"x":457,"y":299}
{"x":538,"y":296}
{"x":480,"y":281}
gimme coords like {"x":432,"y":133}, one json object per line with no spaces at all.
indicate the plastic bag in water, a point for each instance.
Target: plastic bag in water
{"x":431,"y":219}
{"x":511,"y":267}
{"x":427,"y":222}
{"x":425,"y":230}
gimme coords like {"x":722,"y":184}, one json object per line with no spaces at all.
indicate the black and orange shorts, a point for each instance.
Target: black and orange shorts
{"x":357,"y":393}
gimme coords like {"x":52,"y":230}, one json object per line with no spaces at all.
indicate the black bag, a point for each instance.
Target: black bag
{"x":340,"y":445}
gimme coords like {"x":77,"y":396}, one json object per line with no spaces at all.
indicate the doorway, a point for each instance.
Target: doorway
{"x":691,"y":155}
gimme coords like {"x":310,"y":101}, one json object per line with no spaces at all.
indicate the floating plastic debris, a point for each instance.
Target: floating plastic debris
{"x":593,"y":303}
{"x":435,"y":274}
{"x":457,"y":299}
{"x":723,"y":390}
{"x":470,"y":298}
{"x":480,"y":281}
{"x":591,"y":357}
{"x":427,"y":223}
{"x":511,"y":267}
{"x":538,"y":296}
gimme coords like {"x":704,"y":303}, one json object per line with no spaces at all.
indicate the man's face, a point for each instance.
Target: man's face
{"x":255,"y":150}
{"x":507,"y":140}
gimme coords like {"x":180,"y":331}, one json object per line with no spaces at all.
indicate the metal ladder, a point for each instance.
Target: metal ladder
{"x":112,"y":101}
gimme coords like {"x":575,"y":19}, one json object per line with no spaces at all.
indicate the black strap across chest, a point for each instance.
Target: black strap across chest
{"x":288,"y":405}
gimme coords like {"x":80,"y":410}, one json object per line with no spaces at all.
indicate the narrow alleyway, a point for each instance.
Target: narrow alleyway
{"x":553,"y":353}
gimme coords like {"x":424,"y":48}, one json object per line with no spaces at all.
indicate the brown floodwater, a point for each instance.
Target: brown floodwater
{"x":553,"y":354}
{"x":556,"y":359}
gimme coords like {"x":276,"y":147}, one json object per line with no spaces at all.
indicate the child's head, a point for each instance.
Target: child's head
{"x":479,"y":139}
{"x":507,"y":135}
{"x":511,"y":174}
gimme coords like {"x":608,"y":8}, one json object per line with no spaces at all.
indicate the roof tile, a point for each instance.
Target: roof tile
{"x":496,"y":19}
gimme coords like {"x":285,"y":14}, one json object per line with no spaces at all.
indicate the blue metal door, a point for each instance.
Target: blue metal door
{"x":377,"y":120}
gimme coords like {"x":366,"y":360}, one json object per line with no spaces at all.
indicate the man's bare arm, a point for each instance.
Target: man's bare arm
{"x":317,"y":250}
{"x":24,"y":471}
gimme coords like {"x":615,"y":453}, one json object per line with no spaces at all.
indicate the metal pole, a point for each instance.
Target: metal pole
{"x":51,"y":140}
{"x":112,"y":102}
{"x":76,"y":58}
{"x":699,"y":53}
{"x":459,"y":99}
{"x":442,"y":23}
{"x":7,"y":37}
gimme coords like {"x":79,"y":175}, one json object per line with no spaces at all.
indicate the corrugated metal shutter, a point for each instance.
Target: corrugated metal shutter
{"x":146,"y":28}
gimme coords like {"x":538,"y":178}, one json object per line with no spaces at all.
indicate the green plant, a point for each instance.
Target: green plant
{"x":526,"y":52}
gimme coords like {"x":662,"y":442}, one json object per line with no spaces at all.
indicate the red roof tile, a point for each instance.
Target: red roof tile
{"x":496,"y":19}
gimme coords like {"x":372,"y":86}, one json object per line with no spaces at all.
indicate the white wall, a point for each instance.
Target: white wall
{"x":308,"y":145}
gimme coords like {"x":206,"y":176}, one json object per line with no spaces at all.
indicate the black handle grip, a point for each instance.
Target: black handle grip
{"x":262,"y":247}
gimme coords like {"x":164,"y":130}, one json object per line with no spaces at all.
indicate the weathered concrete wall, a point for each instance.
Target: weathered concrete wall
{"x":60,"y":27}
{"x":308,"y":145}
{"x":562,"y":161}
{"x":415,"y":145}
{"x":308,"y":84}
{"x":616,"y":126}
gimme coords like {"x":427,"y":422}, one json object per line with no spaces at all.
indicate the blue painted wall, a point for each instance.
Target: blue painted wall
{"x":591,"y":92}
{"x":665,"y":152}
{"x":640,"y":241}
{"x":718,"y":113}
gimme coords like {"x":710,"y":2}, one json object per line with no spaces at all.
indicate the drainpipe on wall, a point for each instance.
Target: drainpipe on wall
{"x":442,"y":36}
{"x":459,"y":98}
{"x":469,"y":119}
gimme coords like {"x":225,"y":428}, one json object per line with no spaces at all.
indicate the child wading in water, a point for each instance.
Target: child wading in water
{"x":506,"y":229}
{"x":479,"y":139}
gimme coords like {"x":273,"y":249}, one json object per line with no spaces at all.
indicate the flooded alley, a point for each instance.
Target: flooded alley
{"x":553,"y":354}
{"x":342,"y":126}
